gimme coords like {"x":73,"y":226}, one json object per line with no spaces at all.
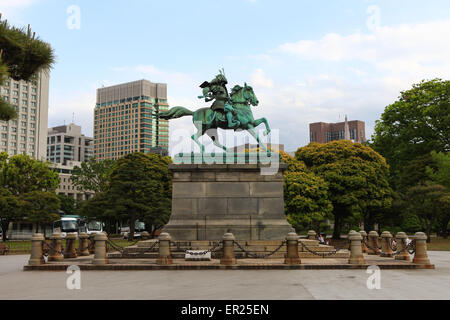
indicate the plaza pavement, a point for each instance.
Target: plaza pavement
{"x":226,"y":284}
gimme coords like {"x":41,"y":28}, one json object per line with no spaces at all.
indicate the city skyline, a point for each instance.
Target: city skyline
{"x":314,"y":61}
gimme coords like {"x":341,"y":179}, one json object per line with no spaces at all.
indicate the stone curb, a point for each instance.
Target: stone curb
{"x":123,"y":267}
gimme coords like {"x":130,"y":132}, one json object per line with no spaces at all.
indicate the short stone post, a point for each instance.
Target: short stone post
{"x":401,"y":244}
{"x":164,"y":257}
{"x":100,"y":249}
{"x":70,"y":251}
{"x":83,"y":244}
{"x":292,"y":249}
{"x":55,"y":253}
{"x":37,"y":254}
{"x":228,"y":257}
{"x":312,"y":235}
{"x":373,"y":243}
{"x":356,"y":254}
{"x":386,"y":250}
{"x":91,"y":247}
{"x":363,"y":239}
{"x":421,"y":256}
{"x":145,"y":235}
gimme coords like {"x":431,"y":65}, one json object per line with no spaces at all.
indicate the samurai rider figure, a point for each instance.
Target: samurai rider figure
{"x":216,"y":90}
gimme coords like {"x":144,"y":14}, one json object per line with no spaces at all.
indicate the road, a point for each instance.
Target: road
{"x":226,"y":284}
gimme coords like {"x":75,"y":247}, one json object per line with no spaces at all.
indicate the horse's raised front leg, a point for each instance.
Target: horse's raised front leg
{"x":257,"y":122}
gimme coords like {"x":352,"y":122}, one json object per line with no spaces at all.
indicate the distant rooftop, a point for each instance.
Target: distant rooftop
{"x":133,"y":89}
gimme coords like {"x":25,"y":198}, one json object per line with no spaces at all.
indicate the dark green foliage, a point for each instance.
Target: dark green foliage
{"x":416,"y":124}
{"x":92,"y":175}
{"x":27,"y":190}
{"x":22,"y":56}
{"x":356,"y":175}
{"x":305,"y":196}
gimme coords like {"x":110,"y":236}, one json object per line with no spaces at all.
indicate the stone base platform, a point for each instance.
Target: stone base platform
{"x":84,"y":263}
{"x":209,"y":200}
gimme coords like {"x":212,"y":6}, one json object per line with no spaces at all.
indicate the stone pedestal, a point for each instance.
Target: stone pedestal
{"x":228,"y":257}
{"x":70,"y":251}
{"x":209,"y":200}
{"x":56,"y":250}
{"x":421,"y":256}
{"x":36,"y":257}
{"x":356,"y":254}
{"x":292,"y":249}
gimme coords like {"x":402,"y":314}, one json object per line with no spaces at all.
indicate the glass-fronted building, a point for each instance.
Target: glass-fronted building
{"x":126,"y":119}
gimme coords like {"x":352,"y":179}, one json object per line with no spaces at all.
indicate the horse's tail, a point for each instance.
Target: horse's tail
{"x":175,"y":112}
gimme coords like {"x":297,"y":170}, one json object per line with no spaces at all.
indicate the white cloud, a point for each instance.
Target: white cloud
{"x":11,"y":9}
{"x":414,"y":50}
{"x":259,"y":79}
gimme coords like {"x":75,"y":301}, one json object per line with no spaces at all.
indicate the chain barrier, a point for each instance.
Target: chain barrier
{"x":260,"y":256}
{"x":50,"y":247}
{"x":391,"y":246}
{"x":370,"y":247}
{"x":152,"y":246}
{"x":319,"y":253}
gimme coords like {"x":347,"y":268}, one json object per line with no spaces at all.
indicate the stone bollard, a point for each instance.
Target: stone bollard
{"x":91,"y":247}
{"x":373,"y":243}
{"x":292,"y":249}
{"x":363,"y":239}
{"x":401,"y":244}
{"x":37,"y":254}
{"x":145,"y":235}
{"x":100,"y":249}
{"x":70,"y":251}
{"x":164,"y":257}
{"x":55,"y":253}
{"x":356,"y":254}
{"x":312,"y":235}
{"x":421,"y":256}
{"x":83,"y":244}
{"x":228,"y":257}
{"x":386,"y":250}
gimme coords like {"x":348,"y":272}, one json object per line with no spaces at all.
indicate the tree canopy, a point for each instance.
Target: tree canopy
{"x":416,"y":124}
{"x":305,"y":195}
{"x":356,"y":175}
{"x":138,"y":187}
{"x":27,"y":190}
{"x":92,"y":175}
{"x":22,"y":55}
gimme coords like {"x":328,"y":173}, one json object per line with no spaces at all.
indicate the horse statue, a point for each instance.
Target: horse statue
{"x":207,"y":121}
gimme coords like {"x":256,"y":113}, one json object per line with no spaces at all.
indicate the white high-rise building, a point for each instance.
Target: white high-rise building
{"x":28,"y":133}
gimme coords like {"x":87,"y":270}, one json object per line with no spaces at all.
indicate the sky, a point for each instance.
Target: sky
{"x":307,"y":61}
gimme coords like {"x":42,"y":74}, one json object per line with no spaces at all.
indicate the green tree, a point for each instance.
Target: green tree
{"x":22,"y":179}
{"x":429,"y":203}
{"x":68,"y":204}
{"x":356,"y":175}
{"x":140,"y":188}
{"x":10,"y":209}
{"x":22,"y":56}
{"x":40,"y":207}
{"x":92,"y":175}
{"x":413,"y":126}
{"x":440,"y":173}
{"x":305,"y":195}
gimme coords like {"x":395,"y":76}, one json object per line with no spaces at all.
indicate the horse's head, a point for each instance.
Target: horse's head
{"x":244,"y":95}
{"x":249,"y":95}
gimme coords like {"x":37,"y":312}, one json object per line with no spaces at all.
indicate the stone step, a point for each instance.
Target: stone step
{"x":217,"y":255}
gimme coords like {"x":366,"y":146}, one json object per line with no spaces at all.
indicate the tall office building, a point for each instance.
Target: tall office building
{"x":67,"y":147}
{"x":28,"y":133}
{"x":322,"y":132}
{"x":67,"y":143}
{"x":126,"y":119}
